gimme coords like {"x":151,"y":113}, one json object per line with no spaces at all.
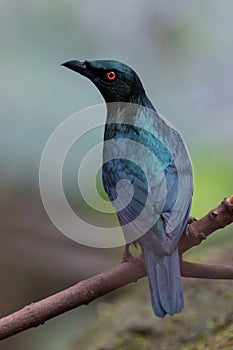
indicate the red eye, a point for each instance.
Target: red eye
{"x":111,"y":76}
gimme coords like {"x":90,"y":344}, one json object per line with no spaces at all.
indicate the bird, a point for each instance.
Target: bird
{"x":157,"y":166}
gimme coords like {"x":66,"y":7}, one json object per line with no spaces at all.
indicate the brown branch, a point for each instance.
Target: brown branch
{"x":190,"y":269}
{"x":86,"y":291}
{"x":200,"y":229}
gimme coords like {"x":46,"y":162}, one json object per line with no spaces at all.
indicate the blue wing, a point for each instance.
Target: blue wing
{"x":167,"y":196}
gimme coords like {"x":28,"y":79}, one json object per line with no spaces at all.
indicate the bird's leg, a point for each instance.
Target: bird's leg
{"x":191,"y":235}
{"x":128,"y":257}
{"x":188,"y":231}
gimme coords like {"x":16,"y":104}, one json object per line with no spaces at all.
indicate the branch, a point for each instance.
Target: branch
{"x":88,"y":290}
{"x":200,"y":229}
{"x":190,"y":269}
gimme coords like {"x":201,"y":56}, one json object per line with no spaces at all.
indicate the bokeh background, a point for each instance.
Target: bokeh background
{"x":183,"y":51}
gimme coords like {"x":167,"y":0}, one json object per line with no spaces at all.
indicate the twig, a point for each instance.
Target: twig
{"x":86,"y":291}
{"x":190,"y":269}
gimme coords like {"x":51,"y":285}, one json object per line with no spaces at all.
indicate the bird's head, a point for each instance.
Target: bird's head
{"x":116,"y":81}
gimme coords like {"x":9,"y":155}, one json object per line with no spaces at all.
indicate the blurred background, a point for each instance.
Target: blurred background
{"x":183,"y":52}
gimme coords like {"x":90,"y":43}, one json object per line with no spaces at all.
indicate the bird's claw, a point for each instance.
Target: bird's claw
{"x":128,"y":257}
{"x":189,"y":233}
{"x":193,"y":237}
{"x":188,"y":230}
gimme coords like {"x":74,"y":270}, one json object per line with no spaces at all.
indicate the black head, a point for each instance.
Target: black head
{"x":116,"y":81}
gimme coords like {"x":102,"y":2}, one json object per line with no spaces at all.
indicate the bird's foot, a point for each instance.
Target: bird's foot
{"x":192,"y":234}
{"x":188,"y":231}
{"x":137,"y":260}
{"x":127,"y":256}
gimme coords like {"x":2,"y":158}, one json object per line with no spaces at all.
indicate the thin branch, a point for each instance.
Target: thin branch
{"x":190,"y":269}
{"x":86,"y":291}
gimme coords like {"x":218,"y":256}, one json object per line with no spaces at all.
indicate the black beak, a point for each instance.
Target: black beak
{"x":80,"y":67}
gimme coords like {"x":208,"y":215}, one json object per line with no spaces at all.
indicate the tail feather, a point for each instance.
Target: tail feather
{"x":165,"y":282}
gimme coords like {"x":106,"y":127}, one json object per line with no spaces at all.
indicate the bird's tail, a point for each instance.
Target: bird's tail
{"x":165,"y":282}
